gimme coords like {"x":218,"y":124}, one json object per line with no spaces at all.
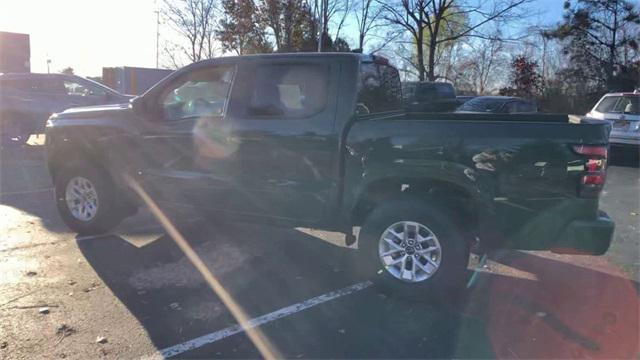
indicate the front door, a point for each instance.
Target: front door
{"x":185,"y":153}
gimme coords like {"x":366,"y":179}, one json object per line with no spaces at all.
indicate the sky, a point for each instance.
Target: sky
{"x":90,"y":34}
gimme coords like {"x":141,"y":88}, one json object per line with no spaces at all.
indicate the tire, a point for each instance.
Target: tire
{"x":103,"y":215}
{"x":13,"y":131}
{"x":446,"y":282}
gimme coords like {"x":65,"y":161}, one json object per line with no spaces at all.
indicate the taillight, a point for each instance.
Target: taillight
{"x":592,"y":150}
{"x":595,"y":169}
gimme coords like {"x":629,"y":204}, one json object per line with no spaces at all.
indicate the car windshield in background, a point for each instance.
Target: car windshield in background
{"x":319,"y":179}
{"x":435,"y":89}
{"x":483,"y":105}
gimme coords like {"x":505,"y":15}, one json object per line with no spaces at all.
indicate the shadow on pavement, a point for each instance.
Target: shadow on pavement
{"x":560,"y":310}
{"x":577,"y":307}
{"x":625,"y":156}
{"x":25,"y":184}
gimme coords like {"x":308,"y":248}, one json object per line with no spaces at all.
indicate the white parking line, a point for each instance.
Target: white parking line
{"x":261,"y":320}
{"x":140,"y":228}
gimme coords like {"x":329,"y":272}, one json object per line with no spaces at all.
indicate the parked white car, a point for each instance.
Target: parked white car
{"x":623,"y":110}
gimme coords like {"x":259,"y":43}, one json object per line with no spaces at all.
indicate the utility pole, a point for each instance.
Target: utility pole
{"x":321,"y":17}
{"x":157,"y":37}
{"x":48,"y":63}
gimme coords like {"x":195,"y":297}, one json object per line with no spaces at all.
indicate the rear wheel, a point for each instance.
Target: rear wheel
{"x":410,"y":248}
{"x":86,"y":199}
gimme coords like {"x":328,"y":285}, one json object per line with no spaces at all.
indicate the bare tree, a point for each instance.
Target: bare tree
{"x":325,"y":12}
{"x":436,"y":22}
{"x":486,"y":56}
{"x":68,"y":70}
{"x":194,"y":21}
{"x":409,"y":15}
{"x":291,"y":23}
{"x":598,"y":34}
{"x":240,"y":29}
{"x":344,"y":9}
{"x":368,"y":15}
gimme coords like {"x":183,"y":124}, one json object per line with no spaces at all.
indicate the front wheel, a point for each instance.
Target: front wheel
{"x":86,"y":199}
{"x":13,"y":131}
{"x":410,"y":248}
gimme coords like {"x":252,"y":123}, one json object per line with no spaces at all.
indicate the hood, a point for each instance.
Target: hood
{"x":93,"y":112}
{"x":127,"y":97}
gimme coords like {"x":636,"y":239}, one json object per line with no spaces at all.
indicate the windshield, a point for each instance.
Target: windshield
{"x":483,"y":105}
{"x":435,"y":90}
{"x":319,"y":179}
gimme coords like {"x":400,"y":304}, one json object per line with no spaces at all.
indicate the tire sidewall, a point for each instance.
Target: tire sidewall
{"x":12,"y":127}
{"x":449,"y":277}
{"x":105,"y":218}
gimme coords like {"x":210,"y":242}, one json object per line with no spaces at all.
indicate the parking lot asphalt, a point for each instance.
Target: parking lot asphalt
{"x":134,"y":294}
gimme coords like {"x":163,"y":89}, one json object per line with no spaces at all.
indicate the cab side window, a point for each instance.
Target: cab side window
{"x":288,"y":91}
{"x":201,"y":93}
{"x":607,"y":104}
{"x":622,"y":105}
{"x":520,"y":106}
{"x":74,"y":88}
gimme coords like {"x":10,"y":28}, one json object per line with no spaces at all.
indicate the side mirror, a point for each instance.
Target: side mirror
{"x":138,"y":106}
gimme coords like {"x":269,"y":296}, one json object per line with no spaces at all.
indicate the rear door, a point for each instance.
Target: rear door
{"x":281,"y":118}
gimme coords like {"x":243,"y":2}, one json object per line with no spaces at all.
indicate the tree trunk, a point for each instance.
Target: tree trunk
{"x":612,"y":48}
{"x":432,"y":59}
{"x":420,"y":54}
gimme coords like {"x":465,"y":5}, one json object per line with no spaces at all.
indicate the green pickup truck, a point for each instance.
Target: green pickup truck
{"x":320,"y":140}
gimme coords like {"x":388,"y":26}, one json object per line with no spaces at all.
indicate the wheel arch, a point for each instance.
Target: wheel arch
{"x":63,"y":152}
{"x":459,"y":201}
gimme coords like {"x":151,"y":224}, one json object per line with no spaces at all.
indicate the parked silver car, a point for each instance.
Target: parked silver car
{"x":27,"y":100}
{"x":623,"y":110}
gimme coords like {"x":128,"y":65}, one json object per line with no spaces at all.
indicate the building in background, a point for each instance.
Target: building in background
{"x":15,"y":53}
{"x":132,"y":80}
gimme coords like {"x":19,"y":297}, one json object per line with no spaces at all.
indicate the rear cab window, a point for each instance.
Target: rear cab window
{"x":379,"y":89}
{"x":289,"y":91}
{"x":281,"y":91}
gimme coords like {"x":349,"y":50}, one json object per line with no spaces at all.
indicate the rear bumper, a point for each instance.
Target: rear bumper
{"x":624,"y":138}
{"x":586,"y":237}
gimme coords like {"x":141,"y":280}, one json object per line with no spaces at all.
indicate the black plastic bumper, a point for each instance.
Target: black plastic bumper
{"x":591,"y":237}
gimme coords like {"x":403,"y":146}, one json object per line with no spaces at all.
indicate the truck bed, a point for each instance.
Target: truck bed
{"x":537,"y":117}
{"x":523,"y":169}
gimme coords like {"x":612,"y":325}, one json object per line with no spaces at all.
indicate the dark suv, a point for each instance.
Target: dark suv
{"x":429,"y":97}
{"x":27,"y":100}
